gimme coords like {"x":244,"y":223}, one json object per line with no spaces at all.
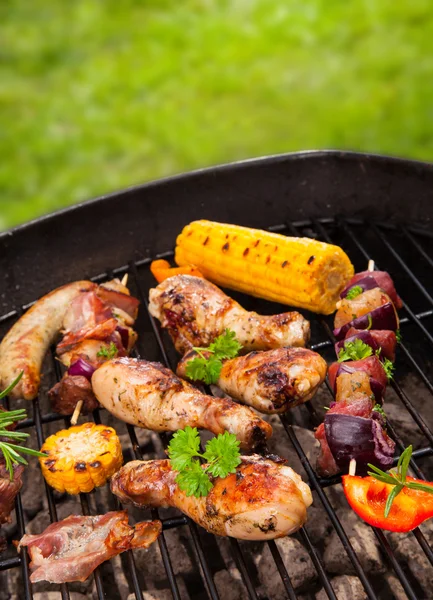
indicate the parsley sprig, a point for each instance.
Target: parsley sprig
{"x":109,"y":352}
{"x":388,"y":368}
{"x":398,"y":479}
{"x":208,"y":369}
{"x":221,"y":455}
{"x":356,"y":350}
{"x":354,"y":292}
{"x":11,"y":452}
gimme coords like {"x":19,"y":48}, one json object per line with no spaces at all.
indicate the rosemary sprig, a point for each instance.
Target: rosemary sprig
{"x":398,"y":478}
{"x":12,"y":452}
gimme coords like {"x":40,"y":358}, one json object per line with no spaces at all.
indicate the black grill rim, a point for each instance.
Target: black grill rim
{"x":320,"y":226}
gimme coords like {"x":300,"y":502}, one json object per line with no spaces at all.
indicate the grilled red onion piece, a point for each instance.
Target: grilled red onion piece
{"x":366,"y":283}
{"x":365,"y":440}
{"x":383,"y":317}
{"x":82,"y":367}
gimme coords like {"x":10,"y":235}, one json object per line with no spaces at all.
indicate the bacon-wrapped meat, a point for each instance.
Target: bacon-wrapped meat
{"x":368,"y":280}
{"x":70,"y":550}
{"x":96,"y":326}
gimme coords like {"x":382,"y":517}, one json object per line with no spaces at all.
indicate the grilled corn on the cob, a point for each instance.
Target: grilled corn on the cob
{"x":81,"y":458}
{"x":296,"y":271}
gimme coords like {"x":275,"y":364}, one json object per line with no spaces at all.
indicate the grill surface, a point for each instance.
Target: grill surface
{"x":405,"y":253}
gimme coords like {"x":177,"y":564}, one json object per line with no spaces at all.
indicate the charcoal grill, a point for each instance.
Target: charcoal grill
{"x":374,"y":207}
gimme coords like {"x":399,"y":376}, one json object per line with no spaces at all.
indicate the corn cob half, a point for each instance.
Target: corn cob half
{"x":81,"y":458}
{"x":296,"y":271}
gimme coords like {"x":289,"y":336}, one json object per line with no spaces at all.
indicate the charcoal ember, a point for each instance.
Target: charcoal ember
{"x":394,"y":588}
{"x":364,"y":543}
{"x":278,"y":444}
{"x":346,"y":587}
{"x":55,"y":596}
{"x":407,"y":429}
{"x":33,"y":480}
{"x":163,"y":594}
{"x":298,"y":564}
{"x":409,"y":553}
{"x":149,"y":560}
{"x":229,"y":585}
{"x":318,"y":524}
{"x":40,"y":522}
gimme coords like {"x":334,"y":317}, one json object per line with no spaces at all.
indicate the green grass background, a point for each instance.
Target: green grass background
{"x":99,"y":95}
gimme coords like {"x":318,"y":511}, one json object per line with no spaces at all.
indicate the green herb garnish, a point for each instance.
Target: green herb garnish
{"x":356,"y":350}
{"x":221,"y":455}
{"x":398,"y":478}
{"x":208,"y":370}
{"x":11,"y":452}
{"x":109,"y":352}
{"x":370,"y":322}
{"x":354,"y":292}
{"x":377,"y":408}
{"x":388,"y":367}
{"x":398,"y":336}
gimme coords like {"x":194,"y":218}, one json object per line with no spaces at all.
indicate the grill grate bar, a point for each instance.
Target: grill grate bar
{"x":409,"y":311}
{"x":155,"y":515}
{"x":317,"y":561}
{"x":64,"y":590}
{"x":282,"y":569}
{"x":243,"y":569}
{"x":204,"y":566}
{"x":418,"y":246}
{"x":328,"y":508}
{"x":402,"y":263}
{"x":395,"y":564}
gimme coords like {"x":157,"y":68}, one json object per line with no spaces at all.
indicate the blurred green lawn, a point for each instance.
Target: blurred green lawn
{"x":99,"y":95}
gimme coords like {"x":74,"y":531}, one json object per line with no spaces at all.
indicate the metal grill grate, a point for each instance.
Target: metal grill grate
{"x":405,"y":253}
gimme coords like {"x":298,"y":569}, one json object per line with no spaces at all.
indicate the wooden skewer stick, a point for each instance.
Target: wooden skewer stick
{"x":125,"y":279}
{"x":74,"y":418}
{"x":352,"y":467}
{"x":370,"y":265}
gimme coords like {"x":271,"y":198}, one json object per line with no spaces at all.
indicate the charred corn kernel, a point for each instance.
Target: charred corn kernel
{"x":161,"y":270}
{"x":81,"y":458}
{"x":296,"y":271}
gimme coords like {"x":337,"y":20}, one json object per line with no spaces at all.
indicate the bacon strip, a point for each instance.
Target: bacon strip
{"x":70,"y":550}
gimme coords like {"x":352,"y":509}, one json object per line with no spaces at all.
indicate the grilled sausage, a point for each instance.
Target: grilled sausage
{"x":25,"y":345}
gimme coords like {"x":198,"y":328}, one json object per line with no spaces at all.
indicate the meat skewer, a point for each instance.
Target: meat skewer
{"x":355,"y":426}
{"x":147,"y":394}
{"x":263,"y":500}
{"x":272,"y":381}
{"x":195,"y":312}
{"x":70,"y":550}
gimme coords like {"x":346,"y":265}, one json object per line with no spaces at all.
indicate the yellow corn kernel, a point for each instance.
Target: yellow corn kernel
{"x":296,"y":271}
{"x":81,"y":458}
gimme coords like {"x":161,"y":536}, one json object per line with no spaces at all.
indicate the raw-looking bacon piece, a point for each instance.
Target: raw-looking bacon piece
{"x":70,"y":550}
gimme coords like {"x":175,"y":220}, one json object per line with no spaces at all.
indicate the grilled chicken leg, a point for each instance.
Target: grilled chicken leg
{"x":272,"y":381}
{"x":149,"y":395}
{"x":195,"y":312}
{"x":263,"y":500}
